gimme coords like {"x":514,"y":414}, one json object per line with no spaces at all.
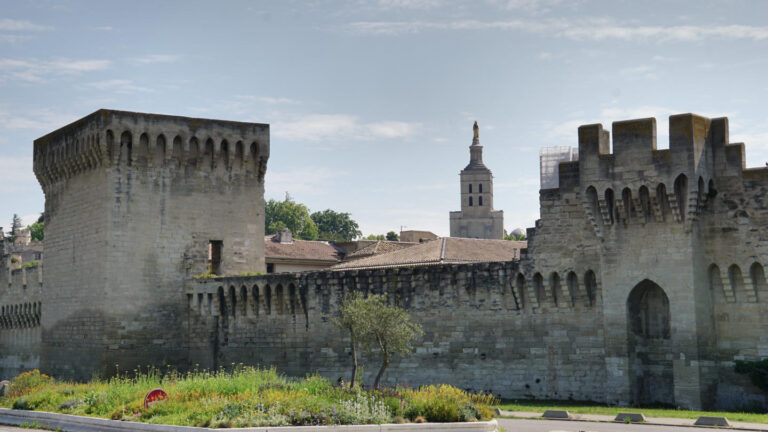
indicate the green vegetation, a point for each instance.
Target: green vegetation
{"x":334,"y":226}
{"x":327,"y":225}
{"x":514,"y":237}
{"x":757,"y":371}
{"x":372,"y":322}
{"x":249,"y":273}
{"x":29,"y":264}
{"x":243,"y":397}
{"x":390,"y":236}
{"x":289,"y":214}
{"x":207,"y":275}
{"x":36,"y":231}
{"x":580,"y":407}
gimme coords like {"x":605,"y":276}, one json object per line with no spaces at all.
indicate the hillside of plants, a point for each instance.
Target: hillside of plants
{"x":243,"y":397}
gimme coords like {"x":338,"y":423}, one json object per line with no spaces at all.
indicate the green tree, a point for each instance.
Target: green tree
{"x":375,"y":237}
{"x":16,"y":227}
{"x":291,"y":215}
{"x":352,"y":319}
{"x":393,"y":236}
{"x":520,"y":237}
{"x":334,"y":226}
{"x":373,"y":323}
{"x":36,"y":231}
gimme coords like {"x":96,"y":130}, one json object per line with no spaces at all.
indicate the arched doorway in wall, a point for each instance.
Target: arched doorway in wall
{"x":650,"y":345}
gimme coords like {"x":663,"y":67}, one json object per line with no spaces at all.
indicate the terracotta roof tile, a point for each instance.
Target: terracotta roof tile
{"x":378,"y":248}
{"x":301,"y":250}
{"x":446,"y":250}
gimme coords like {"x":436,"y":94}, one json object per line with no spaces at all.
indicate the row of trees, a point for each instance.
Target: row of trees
{"x":323,"y":225}
{"x":36,"y":229}
{"x":327,"y":225}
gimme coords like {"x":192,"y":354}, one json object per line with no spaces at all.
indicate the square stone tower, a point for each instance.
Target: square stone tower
{"x":477,"y":218}
{"x":135,"y":203}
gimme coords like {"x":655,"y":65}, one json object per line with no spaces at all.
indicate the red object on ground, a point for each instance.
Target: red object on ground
{"x":154,"y":396}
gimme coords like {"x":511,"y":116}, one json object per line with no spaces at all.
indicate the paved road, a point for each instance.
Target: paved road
{"x":515,"y":425}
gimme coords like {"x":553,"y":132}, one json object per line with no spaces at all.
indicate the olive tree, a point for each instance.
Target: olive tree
{"x":373,"y":324}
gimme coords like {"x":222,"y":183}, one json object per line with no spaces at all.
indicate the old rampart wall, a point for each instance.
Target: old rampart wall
{"x":485,"y":329}
{"x":21,"y":296}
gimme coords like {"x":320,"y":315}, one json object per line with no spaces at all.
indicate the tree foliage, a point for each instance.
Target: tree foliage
{"x":291,"y":215}
{"x":372,"y":323}
{"x":520,"y":237}
{"x":335,"y":226}
{"x":375,"y":237}
{"x":36,"y":231}
{"x":393,"y":236}
{"x":756,"y":370}
{"x":16,"y":227}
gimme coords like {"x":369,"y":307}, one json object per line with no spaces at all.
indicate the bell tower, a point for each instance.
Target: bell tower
{"x":477,"y":218}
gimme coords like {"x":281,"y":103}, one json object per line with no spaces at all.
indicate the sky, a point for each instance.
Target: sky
{"x":371,"y":103}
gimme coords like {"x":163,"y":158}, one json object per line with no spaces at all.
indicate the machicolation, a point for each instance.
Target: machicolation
{"x":643,"y":281}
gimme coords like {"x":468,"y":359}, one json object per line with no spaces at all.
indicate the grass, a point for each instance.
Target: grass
{"x":243,"y":397}
{"x":576,"y":407}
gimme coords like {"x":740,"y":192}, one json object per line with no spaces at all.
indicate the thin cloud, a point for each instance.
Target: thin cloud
{"x":16,"y":174}
{"x":408,"y":4}
{"x":294,"y":181}
{"x":157,"y":58}
{"x":41,"y":120}
{"x":318,"y":127}
{"x":9,"y":38}
{"x":7,"y":24}
{"x":533,"y":6}
{"x":119,"y":86}
{"x":590,"y":30}
{"x":41,"y":71}
{"x":269,"y":100}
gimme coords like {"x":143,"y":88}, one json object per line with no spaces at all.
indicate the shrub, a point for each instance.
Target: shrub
{"x":29,"y":264}
{"x":757,"y":371}
{"x":445,"y":403}
{"x":241,"y":397}
{"x":28,"y":380}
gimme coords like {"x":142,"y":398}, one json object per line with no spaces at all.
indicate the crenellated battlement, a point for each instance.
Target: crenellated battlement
{"x":637,"y":182}
{"x":146,"y":142}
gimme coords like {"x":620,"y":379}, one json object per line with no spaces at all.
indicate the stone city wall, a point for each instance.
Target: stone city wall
{"x":483,"y":330}
{"x":21,"y":296}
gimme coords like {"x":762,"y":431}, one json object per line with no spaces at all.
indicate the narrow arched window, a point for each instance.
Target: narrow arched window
{"x":480,"y":201}
{"x":480,"y":188}
{"x":470,"y":188}
{"x":470,"y":201}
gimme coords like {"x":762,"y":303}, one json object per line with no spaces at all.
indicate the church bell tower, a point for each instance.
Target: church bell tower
{"x":477,"y":218}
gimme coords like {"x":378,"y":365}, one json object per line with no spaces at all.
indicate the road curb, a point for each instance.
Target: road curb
{"x":578,"y":418}
{"x":73,"y":423}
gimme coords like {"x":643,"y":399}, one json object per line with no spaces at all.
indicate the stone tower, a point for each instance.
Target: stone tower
{"x":134,"y":205}
{"x":477,"y":218}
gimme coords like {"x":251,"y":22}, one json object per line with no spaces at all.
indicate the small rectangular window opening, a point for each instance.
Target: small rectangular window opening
{"x":270,"y":268}
{"x":480,"y":201}
{"x":214,"y":256}
{"x":470,"y":188}
{"x":480,"y":188}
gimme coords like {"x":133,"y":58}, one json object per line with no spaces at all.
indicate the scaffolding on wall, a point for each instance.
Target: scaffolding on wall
{"x":549,"y":159}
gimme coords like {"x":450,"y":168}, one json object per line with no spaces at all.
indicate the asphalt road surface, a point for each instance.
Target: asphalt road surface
{"x":515,"y":425}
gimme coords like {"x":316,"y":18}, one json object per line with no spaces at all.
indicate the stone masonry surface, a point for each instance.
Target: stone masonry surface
{"x":643,"y":281}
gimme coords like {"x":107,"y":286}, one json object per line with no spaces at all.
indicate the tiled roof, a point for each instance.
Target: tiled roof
{"x":378,"y":248}
{"x":445,"y":250}
{"x":301,"y":250}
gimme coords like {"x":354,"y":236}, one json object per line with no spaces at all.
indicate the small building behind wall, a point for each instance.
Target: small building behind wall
{"x":283,"y":254}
